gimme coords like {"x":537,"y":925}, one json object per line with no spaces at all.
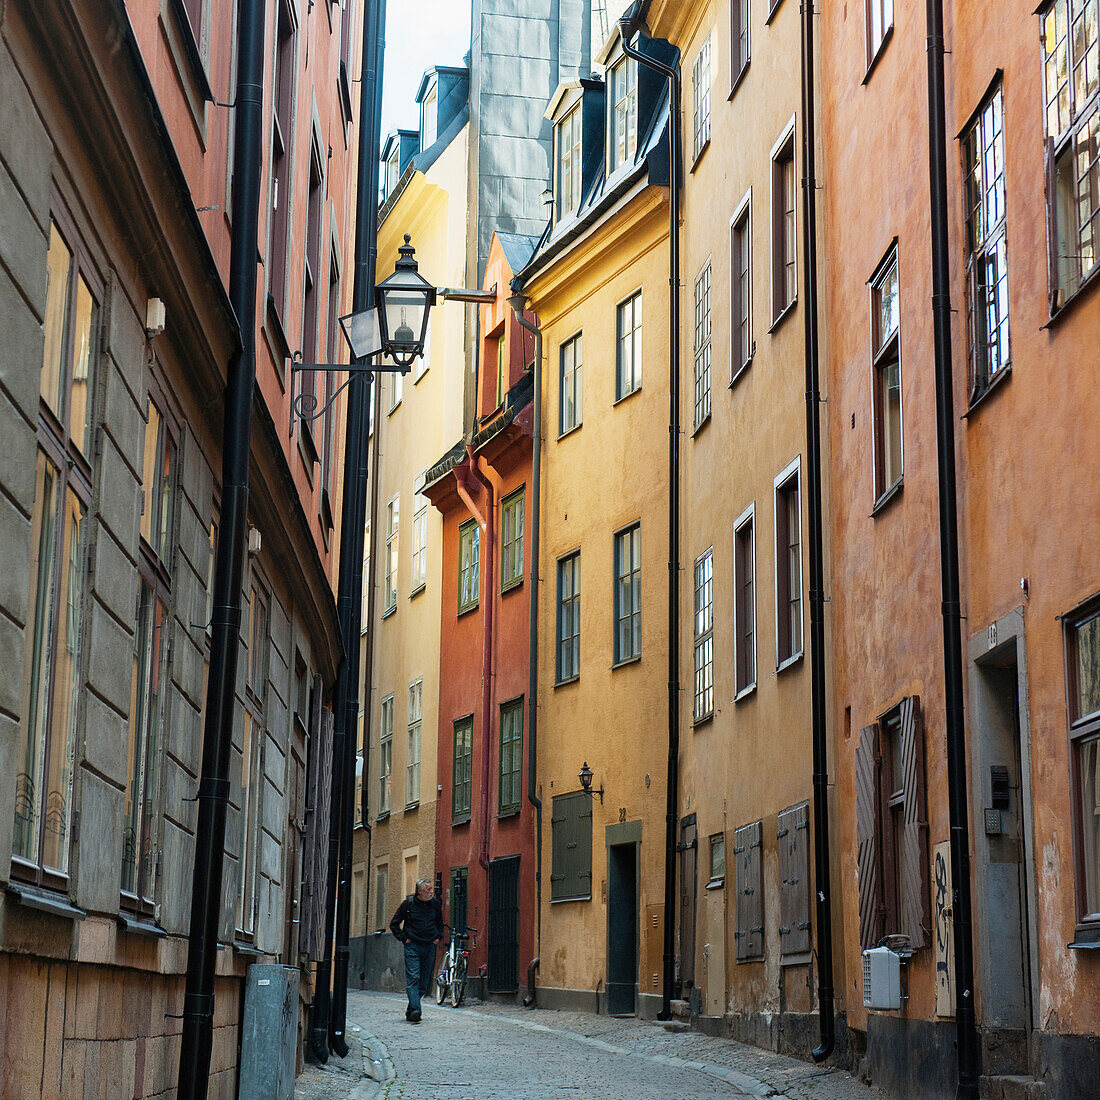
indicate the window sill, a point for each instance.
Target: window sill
{"x":248,"y":950}
{"x":393,"y":409}
{"x":389,"y":611}
{"x":798,"y":958}
{"x":715,"y":884}
{"x":873,"y":63}
{"x":787,"y":662}
{"x":465,"y":610}
{"x":384,"y":816}
{"x":700,"y":426}
{"x":782,"y":315}
{"x":702,"y":720}
{"x":699,"y":155}
{"x":417,"y":377}
{"x":743,"y":369}
{"x":745,"y":692}
{"x":276,"y":335}
{"x":569,"y":431}
{"x":1091,"y":280}
{"x":45,"y":901}
{"x":1086,"y":937}
{"x":771,"y":15}
{"x":567,"y":680}
{"x":627,"y":661}
{"x":627,"y":396}
{"x":417,"y":590}
{"x":141,"y":926}
{"x":579,"y":897}
{"x":995,"y":384}
{"x":512,"y":811}
{"x":888,"y":498}
{"x":459,"y":821}
{"x":739,"y":79}
{"x":512,"y":585}
{"x":307,"y":449}
{"x":410,"y":806}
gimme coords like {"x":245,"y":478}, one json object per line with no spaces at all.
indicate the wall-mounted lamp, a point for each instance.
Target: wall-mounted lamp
{"x":585,"y":776}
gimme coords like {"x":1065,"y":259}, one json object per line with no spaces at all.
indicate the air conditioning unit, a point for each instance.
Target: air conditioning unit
{"x":881,"y":978}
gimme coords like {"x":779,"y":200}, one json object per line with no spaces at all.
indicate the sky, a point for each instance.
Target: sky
{"x":419,"y":34}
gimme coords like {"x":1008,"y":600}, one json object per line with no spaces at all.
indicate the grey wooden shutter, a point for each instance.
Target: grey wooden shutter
{"x":916,"y":917}
{"x":792,"y":835}
{"x":557,"y":848}
{"x":310,"y":847}
{"x":571,"y":847}
{"x":583,"y":806}
{"x":868,"y":767}
{"x":324,"y":808}
{"x":747,"y":849}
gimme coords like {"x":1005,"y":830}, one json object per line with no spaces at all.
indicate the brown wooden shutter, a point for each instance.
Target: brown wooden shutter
{"x":747,"y":849}
{"x":916,"y":918}
{"x":868,"y":768}
{"x":792,"y":835}
{"x":309,"y":851}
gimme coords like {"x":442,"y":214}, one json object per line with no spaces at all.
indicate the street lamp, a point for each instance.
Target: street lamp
{"x":403,"y":303}
{"x":585,"y":776}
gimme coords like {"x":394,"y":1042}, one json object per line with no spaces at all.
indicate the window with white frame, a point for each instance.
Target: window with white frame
{"x":628,"y":346}
{"x":419,"y":539}
{"x":569,"y":617}
{"x":571,"y":379}
{"x":469,"y":565}
{"x":702,"y":345}
{"x":396,"y":388}
{"x":423,"y":362}
{"x":511,"y":540}
{"x":744,"y":602}
{"x":739,"y":40}
{"x":700,"y":84}
{"x":784,"y":243}
{"x":788,"y":566}
{"x":429,"y":116}
{"x":569,"y":162}
{"x":628,"y":594}
{"x":381,"y":902}
{"x":385,"y":756}
{"x":412,"y":754}
{"x":704,"y":635}
{"x":623,"y":104}
{"x":741,"y":289}
{"x":880,"y":20}
{"x":886,"y":364}
{"x":364,"y":620}
{"x":393,"y":518}
{"x":252,"y":737}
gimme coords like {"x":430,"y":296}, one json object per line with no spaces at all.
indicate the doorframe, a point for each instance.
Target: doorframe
{"x":997,"y":636}
{"x":627,"y":832}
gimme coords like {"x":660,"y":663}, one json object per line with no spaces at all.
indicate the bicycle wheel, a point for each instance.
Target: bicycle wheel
{"x":458,"y":982}
{"x":442,"y":982}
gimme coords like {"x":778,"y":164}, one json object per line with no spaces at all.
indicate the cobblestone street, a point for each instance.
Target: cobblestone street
{"x":492,"y":1052}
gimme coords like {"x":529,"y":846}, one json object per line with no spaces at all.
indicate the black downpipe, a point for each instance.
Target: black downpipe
{"x":328,"y":1028}
{"x":518,"y":303}
{"x":628,"y":25}
{"x":217,"y":744}
{"x":822,"y":875}
{"x":969,"y":1053}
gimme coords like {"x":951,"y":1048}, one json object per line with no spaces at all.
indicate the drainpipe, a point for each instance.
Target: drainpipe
{"x":628,"y":25}
{"x":969,"y":1064}
{"x":518,"y":304}
{"x":822,"y":874}
{"x":213,"y":793}
{"x":467,"y":474}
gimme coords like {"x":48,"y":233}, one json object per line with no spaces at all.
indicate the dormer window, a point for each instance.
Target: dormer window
{"x":623,"y":85}
{"x":392,"y":176}
{"x":569,"y":162}
{"x":428,"y":114}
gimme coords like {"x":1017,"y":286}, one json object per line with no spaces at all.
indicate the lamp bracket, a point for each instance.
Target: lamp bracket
{"x":308,"y":401}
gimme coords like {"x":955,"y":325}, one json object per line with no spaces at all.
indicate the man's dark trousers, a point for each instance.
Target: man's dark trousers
{"x":419,"y":964}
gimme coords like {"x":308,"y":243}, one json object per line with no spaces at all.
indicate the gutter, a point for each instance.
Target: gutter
{"x":628,"y":27}
{"x":518,"y":303}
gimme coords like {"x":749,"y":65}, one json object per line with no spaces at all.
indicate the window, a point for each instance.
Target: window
{"x":381,"y":888}
{"x":311,"y":289}
{"x":628,"y":346}
{"x":739,"y":40}
{"x":393,"y":520}
{"x":892,"y":828}
{"x":424,"y":361}
{"x":419,"y":539}
{"x":53,"y":657}
{"x":886,"y":362}
{"x":397,"y":385}
{"x":1071,"y":78}
{"x":392,"y":175}
{"x":569,"y":162}
{"x":704,"y":636}
{"x":700,"y":101}
{"x":623,"y":84}
{"x":502,"y":368}
{"x":282,"y":140}
{"x":385,"y":757}
{"x":511,"y":755}
{"x":511,"y":541}
{"x":788,"y":566}
{"x":717,"y":861}
{"x":702,"y":345}
{"x":252,"y":759}
{"x":569,"y":406}
{"x":149,"y":674}
{"x":569,"y":617}
{"x":1082,"y":640}
{"x":462,"y":770}
{"x":784,"y":243}
{"x":571,"y":847}
{"x":456,"y":902}
{"x":741,"y":290}
{"x":412,"y":754}
{"x":469,"y":565}
{"x":986,"y":253}
{"x":364,"y":619}
{"x":429,"y":117}
{"x":628,"y":594}
{"x":744,"y":595}
{"x":880,"y":20}
{"x":333,"y":355}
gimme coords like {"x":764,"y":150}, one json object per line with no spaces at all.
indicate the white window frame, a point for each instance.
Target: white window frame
{"x":419,"y":576}
{"x":703,"y":344}
{"x":792,"y":470}
{"x":634,"y":301}
{"x":700,"y":99}
{"x":701,"y":637}
{"x":742,"y":212}
{"x":393,"y":523}
{"x":568,"y":197}
{"x":785,"y":138}
{"x":747,"y":516}
{"x":385,"y":755}
{"x":738,"y":74}
{"x":576,"y":375}
{"x":631,"y":100}
{"x":415,"y":742}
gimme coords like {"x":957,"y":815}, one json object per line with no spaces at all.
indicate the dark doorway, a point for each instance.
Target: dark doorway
{"x":622,"y":928}
{"x":689,"y":857}
{"x":504,"y":925}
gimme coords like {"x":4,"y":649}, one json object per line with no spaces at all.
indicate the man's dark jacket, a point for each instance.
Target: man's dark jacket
{"x":423,"y":920}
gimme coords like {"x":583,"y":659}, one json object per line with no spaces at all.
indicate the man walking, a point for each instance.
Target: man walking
{"x":418,"y":924}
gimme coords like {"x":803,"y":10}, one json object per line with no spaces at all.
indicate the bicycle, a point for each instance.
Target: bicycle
{"x":450,"y":979}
